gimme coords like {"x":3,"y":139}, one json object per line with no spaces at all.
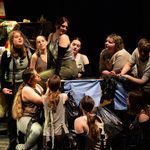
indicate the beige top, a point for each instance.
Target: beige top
{"x":114,"y":62}
{"x":58,"y":117}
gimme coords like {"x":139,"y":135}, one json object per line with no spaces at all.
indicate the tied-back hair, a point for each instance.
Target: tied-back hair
{"x":94,"y":130}
{"x":137,"y":101}
{"x":87,"y":104}
{"x":17,"y":109}
{"x":54,"y":84}
{"x":23,"y":50}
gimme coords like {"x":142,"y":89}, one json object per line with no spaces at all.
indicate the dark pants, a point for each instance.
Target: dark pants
{"x":12,"y":128}
{"x":58,"y":143}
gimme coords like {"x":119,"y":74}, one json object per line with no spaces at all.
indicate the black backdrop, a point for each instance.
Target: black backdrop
{"x":92,"y":20}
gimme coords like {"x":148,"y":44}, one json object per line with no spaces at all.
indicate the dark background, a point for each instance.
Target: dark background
{"x":92,"y":20}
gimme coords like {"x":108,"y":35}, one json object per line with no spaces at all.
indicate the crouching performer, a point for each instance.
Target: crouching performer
{"x":27,"y":108}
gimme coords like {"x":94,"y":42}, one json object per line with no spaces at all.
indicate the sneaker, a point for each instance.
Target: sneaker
{"x":20,"y":147}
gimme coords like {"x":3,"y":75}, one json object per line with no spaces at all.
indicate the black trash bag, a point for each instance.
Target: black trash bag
{"x":112,"y":124}
{"x":72,"y":111}
{"x":70,"y":142}
{"x":108,"y":86}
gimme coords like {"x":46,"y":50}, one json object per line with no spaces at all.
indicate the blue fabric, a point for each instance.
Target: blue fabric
{"x":79,"y":88}
{"x":120,"y":99}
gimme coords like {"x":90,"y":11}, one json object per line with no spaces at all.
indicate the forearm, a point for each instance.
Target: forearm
{"x":135,"y":80}
{"x":125,"y":69}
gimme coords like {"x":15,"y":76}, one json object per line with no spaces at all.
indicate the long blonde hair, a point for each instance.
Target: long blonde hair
{"x":17,"y":108}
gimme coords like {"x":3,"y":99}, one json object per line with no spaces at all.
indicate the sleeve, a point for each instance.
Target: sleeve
{"x":61,"y":53}
{"x":4,"y":65}
{"x":146,"y":75}
{"x":87,"y":71}
{"x":133,"y":57}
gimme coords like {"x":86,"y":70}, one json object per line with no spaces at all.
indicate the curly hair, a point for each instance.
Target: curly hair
{"x":119,"y":44}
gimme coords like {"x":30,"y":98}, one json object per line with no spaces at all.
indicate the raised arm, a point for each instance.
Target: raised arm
{"x":29,"y":94}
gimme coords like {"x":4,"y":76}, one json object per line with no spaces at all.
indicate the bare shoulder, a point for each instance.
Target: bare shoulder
{"x":64,"y":36}
{"x":64,"y":97}
{"x":64,"y":40}
{"x":80,"y":124}
{"x":27,"y":89}
{"x":34,"y":56}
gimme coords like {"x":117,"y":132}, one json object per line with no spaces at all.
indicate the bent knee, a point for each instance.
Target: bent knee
{"x":36,"y":128}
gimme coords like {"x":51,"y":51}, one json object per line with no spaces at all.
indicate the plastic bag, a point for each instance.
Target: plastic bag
{"x":70,"y":142}
{"x":72,"y":111}
{"x":108,"y":86}
{"x":112,"y":124}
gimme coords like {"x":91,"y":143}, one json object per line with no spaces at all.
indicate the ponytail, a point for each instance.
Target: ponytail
{"x":94,"y":130}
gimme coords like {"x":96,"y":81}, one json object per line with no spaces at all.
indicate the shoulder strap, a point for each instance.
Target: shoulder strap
{"x":37,"y":92}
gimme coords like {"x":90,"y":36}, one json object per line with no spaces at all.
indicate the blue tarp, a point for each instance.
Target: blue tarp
{"x":120,"y":99}
{"x":79,"y":88}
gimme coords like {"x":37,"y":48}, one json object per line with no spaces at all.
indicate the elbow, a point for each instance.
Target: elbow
{"x":142,"y":82}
